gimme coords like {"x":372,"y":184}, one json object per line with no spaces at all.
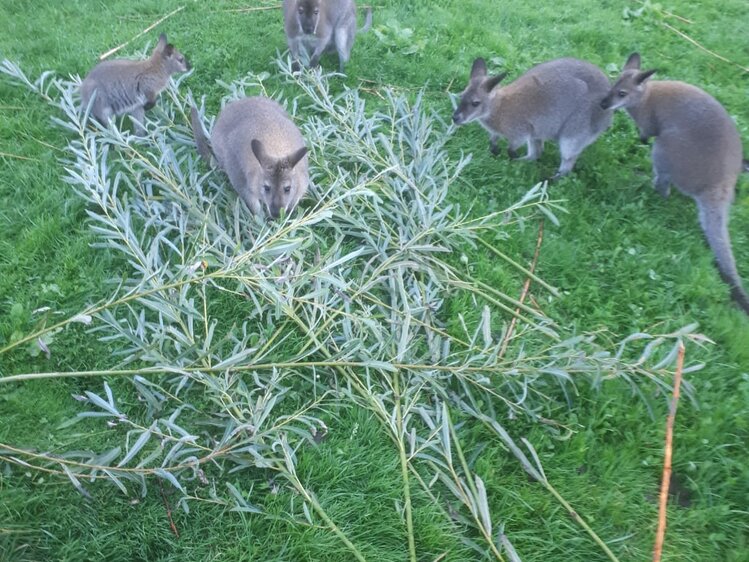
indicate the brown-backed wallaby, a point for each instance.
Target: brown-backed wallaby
{"x":129,"y":86}
{"x":557,"y":100}
{"x":261,"y":150}
{"x":320,"y":26}
{"x":697,"y":148}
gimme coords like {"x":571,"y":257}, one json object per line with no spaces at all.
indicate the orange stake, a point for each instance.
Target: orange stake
{"x":661,"y":533}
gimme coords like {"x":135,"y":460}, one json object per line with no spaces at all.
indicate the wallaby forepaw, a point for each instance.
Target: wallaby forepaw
{"x":512,"y":154}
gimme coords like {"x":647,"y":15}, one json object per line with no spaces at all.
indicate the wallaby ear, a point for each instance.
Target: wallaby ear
{"x":640,"y":78}
{"x":492,"y":82}
{"x":162,"y":42}
{"x":259,"y":152}
{"x":479,"y":68}
{"x":297,"y":156}
{"x":633,"y":62}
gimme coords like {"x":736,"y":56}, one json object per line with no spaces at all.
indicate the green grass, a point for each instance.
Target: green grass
{"x":625,"y":259}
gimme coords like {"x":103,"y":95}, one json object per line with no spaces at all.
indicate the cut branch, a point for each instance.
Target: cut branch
{"x":660,"y":534}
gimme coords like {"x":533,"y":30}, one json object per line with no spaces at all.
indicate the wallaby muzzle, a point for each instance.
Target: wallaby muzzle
{"x":606,"y":102}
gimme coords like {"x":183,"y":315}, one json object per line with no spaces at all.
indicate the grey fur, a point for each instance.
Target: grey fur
{"x":127,"y":86}
{"x":557,"y":100}
{"x":261,"y":150}
{"x":320,"y":26}
{"x":697,"y":148}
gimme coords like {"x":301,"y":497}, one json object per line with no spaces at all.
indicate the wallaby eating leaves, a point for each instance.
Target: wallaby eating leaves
{"x":322,"y":26}
{"x":129,"y":86}
{"x":557,"y":100}
{"x":261,"y":150}
{"x":697,"y":148}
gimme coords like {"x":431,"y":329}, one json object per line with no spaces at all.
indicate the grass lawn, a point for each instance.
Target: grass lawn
{"x":624,"y":260}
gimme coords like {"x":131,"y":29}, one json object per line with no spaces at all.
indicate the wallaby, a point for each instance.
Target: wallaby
{"x":320,"y":26}
{"x":261,"y":150}
{"x":697,"y":148}
{"x":129,"y":86}
{"x":557,"y":100}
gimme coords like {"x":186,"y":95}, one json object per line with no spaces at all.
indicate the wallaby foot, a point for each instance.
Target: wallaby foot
{"x":296,"y":67}
{"x":662,"y":184}
{"x":556,"y":177}
{"x":565,"y":167}
{"x":511,"y":153}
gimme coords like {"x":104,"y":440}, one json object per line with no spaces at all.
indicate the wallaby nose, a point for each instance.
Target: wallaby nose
{"x":605,"y":103}
{"x":456,"y":118}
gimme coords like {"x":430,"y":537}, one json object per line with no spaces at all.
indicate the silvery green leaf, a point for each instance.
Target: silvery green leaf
{"x":508,"y":548}
{"x":137,"y":446}
{"x":483,"y":504}
{"x":76,"y":483}
{"x":117,"y":482}
{"x":103,"y":404}
{"x":166,"y":475}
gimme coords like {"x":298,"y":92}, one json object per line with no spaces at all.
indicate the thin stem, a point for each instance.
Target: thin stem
{"x":404,"y":467}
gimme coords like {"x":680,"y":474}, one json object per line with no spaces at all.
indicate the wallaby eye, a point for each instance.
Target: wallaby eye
{"x":301,"y":9}
{"x":266,"y":188}
{"x":622,"y":94}
{"x":287,"y":189}
{"x":475,"y":103}
{"x":317,"y":12}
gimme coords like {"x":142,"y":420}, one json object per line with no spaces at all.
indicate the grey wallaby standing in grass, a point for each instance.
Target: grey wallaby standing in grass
{"x":697,"y":148}
{"x":129,"y":86}
{"x":320,"y":26}
{"x":557,"y":100}
{"x":261,"y":150}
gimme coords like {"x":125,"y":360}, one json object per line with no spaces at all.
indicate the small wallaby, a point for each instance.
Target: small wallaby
{"x":130,"y":86}
{"x":261,"y":150}
{"x":557,"y":100}
{"x":321,"y":26}
{"x":697,"y":148}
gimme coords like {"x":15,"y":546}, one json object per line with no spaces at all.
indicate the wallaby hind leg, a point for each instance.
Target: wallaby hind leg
{"x":103,"y":113}
{"x":661,"y":173}
{"x":714,"y":221}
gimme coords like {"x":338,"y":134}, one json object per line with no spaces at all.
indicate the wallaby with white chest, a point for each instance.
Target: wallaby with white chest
{"x":697,"y":148}
{"x":129,"y":86}
{"x":320,"y":26}
{"x":261,"y":150}
{"x":558,"y":100}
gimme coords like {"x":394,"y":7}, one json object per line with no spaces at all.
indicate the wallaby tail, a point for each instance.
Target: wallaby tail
{"x":204,"y":149}
{"x":714,"y":220}
{"x":367,"y":21}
